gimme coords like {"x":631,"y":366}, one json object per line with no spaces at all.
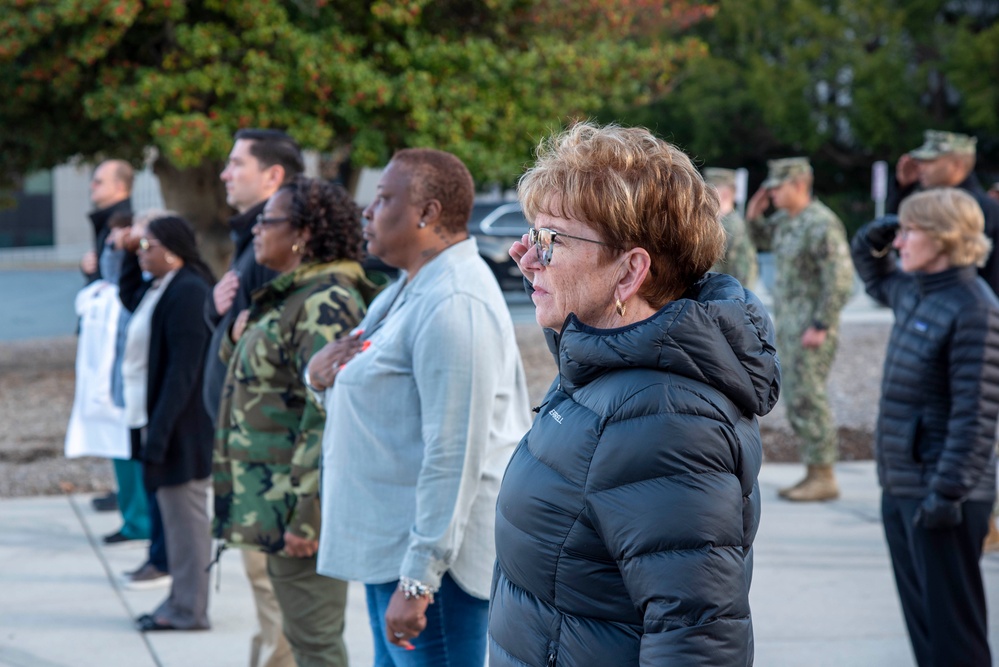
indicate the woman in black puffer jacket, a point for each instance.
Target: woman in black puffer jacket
{"x":937,"y":423}
{"x":626,"y":519}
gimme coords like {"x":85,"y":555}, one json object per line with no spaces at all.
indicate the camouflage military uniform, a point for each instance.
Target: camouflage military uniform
{"x":269,"y":437}
{"x":813,"y":282}
{"x":739,"y":260}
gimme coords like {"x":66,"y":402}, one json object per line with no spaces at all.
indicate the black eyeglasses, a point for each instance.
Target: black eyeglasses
{"x":543,"y":240}
{"x":261,"y":220}
{"x":145,"y":244}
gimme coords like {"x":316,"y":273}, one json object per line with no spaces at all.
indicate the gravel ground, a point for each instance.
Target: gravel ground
{"x":36,"y":393}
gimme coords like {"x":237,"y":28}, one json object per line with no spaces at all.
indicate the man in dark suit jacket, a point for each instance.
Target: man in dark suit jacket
{"x":260,"y":162}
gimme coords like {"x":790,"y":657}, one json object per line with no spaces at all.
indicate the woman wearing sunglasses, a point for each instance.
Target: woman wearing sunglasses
{"x":421,"y":423}
{"x":269,"y":435}
{"x":626,"y":518}
{"x":171,"y":432}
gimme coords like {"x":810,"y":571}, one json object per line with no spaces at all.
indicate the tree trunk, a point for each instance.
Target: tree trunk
{"x":198,"y":194}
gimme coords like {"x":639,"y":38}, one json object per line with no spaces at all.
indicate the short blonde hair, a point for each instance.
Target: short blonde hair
{"x":954,"y":219}
{"x":634,"y":190}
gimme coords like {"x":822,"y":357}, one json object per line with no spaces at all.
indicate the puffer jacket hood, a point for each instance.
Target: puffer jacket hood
{"x":718,"y":333}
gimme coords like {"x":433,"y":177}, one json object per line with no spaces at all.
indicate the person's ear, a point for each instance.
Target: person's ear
{"x":304,"y":236}
{"x":635,"y":267}
{"x":274,"y":177}
{"x":431,"y":212}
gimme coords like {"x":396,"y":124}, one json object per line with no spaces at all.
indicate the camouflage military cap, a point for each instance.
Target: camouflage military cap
{"x":937,"y":143}
{"x":719,"y":177}
{"x":786,"y":169}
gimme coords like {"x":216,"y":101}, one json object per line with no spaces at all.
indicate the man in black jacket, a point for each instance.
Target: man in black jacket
{"x":947,"y":160}
{"x":110,"y":193}
{"x":260,"y":162}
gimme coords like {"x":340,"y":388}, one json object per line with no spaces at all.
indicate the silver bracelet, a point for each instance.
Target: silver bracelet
{"x":411,"y":588}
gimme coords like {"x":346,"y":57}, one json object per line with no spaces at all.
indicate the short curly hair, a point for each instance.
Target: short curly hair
{"x":633,"y":190}
{"x":954,"y":219}
{"x":442,"y":176}
{"x":330,"y":215}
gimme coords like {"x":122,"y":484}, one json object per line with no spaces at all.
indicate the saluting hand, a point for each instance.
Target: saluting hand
{"x":906,"y":171}
{"x":757,"y":204}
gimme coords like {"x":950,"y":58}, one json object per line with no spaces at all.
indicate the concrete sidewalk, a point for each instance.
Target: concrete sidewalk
{"x":822,"y":593}
{"x":63,"y":601}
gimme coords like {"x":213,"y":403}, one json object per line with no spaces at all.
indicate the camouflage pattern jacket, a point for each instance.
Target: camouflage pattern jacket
{"x":814,"y":271}
{"x":740,"y":255}
{"x":269,"y":435}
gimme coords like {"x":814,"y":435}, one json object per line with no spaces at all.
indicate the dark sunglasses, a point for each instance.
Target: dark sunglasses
{"x":261,"y":220}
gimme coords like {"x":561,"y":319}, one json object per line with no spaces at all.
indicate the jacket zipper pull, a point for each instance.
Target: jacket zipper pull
{"x":552,"y":658}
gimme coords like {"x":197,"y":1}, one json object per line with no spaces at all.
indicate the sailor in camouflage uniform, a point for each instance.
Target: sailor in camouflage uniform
{"x":814,"y":279}
{"x":739,"y":260}
{"x":269,"y":439}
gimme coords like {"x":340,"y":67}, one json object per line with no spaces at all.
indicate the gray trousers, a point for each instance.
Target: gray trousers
{"x":313,"y":610}
{"x":184,"y":508}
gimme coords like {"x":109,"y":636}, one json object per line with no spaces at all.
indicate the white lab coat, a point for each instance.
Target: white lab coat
{"x":96,"y":425}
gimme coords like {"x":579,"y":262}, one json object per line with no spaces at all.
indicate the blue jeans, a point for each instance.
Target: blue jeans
{"x":455,"y":635}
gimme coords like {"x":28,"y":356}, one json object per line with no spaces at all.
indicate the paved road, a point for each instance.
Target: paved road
{"x":38,"y":303}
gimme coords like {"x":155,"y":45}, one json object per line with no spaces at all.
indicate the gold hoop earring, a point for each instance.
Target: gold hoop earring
{"x":621,"y":307}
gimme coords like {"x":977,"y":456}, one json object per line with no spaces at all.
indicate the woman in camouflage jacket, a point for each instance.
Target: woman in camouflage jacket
{"x":266,"y":463}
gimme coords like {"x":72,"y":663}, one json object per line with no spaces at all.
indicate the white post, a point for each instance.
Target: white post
{"x":741,"y":189}
{"x":879,"y":186}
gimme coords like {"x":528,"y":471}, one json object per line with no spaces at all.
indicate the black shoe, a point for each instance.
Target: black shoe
{"x":106,"y":503}
{"x":147,"y":623}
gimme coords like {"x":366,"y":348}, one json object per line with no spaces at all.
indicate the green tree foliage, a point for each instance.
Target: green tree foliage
{"x":482,"y":78}
{"x":846,"y":82}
